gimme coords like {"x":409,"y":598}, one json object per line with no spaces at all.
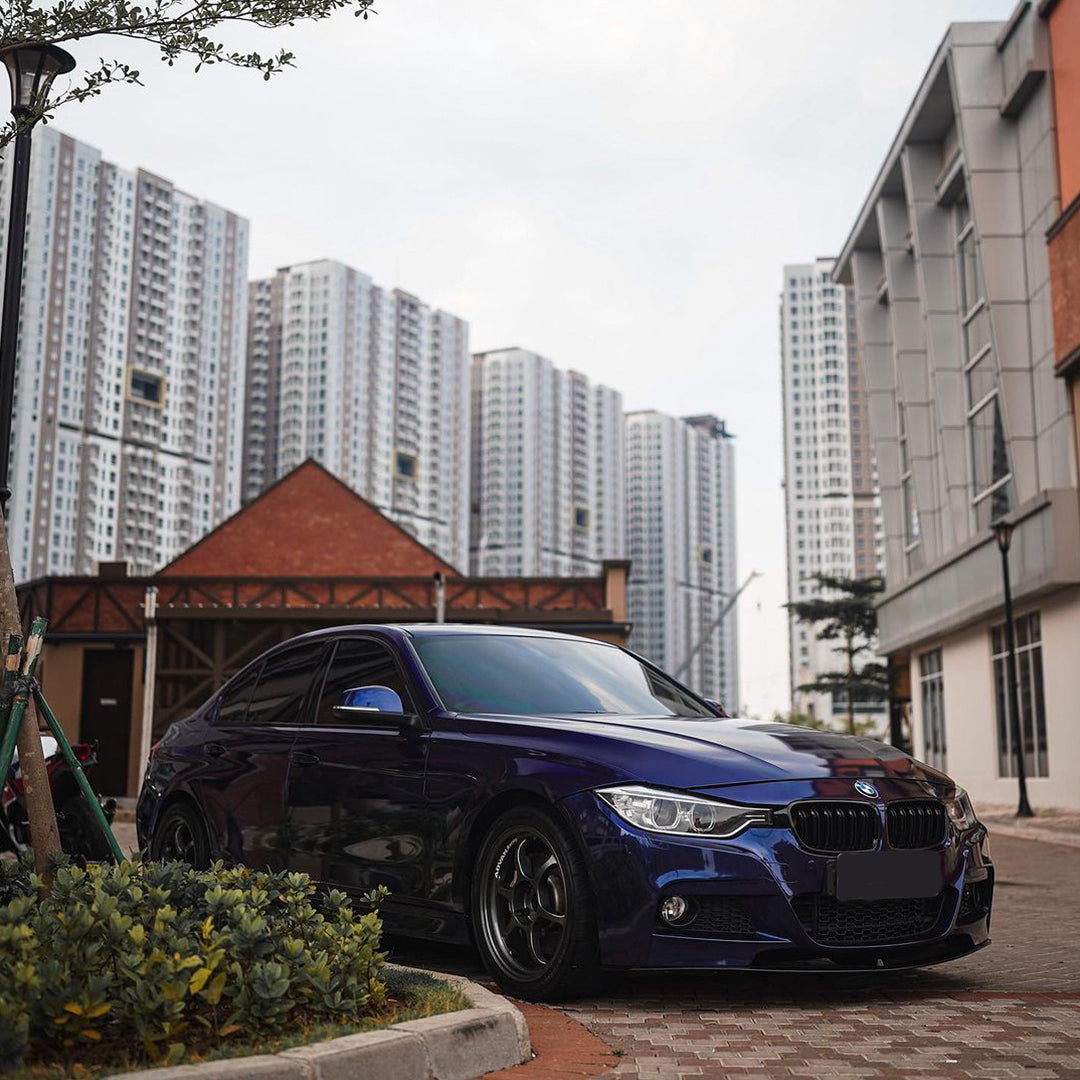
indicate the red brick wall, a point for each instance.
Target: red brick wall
{"x":308,"y":524}
{"x":1064,"y":252}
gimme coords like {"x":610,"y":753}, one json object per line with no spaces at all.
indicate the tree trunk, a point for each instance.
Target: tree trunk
{"x":44,"y":835}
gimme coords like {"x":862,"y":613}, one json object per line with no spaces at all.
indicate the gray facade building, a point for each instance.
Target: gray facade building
{"x":949,"y":266}
{"x":129,"y":391}
{"x":372,"y":383}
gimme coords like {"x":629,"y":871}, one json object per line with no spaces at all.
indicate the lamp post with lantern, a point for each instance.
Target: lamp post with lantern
{"x":31,"y":68}
{"x":1003,"y":531}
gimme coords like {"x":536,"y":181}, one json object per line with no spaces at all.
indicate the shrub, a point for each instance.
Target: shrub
{"x":152,"y":955}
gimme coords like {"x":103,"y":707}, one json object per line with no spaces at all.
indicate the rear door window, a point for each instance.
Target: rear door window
{"x":233,"y":703}
{"x":360,"y":662}
{"x":282,"y":690}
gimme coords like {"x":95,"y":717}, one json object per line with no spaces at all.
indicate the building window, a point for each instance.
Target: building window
{"x":911,"y":509}
{"x":406,"y":465}
{"x":990,"y":472}
{"x":932,"y":688}
{"x":145,"y":386}
{"x":1029,"y":698}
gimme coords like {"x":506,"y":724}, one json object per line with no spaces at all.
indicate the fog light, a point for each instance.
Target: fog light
{"x":672,"y":909}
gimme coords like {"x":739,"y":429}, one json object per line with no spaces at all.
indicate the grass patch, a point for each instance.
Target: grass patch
{"x":410,"y":996}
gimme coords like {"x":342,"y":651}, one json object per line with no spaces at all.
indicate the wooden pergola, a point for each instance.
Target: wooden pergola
{"x":207,"y":628}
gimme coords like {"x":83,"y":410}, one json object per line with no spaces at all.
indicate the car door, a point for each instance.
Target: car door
{"x":357,"y":816}
{"x":243,"y":788}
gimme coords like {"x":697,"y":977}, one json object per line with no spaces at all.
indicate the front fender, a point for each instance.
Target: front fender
{"x":474,"y":772}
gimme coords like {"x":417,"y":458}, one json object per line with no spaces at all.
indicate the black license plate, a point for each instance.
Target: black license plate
{"x":888,"y":875}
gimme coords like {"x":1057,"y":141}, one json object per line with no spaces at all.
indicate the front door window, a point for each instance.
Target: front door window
{"x":359,"y":662}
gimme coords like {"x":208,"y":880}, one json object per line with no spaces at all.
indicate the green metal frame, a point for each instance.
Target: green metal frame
{"x":17,"y":687}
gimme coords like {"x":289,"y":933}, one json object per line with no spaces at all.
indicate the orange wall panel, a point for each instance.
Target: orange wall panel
{"x":1064,"y":26}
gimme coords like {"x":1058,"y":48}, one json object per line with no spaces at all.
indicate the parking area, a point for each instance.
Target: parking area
{"x":1012,"y":1010}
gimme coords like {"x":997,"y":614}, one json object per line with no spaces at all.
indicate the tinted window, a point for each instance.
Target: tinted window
{"x":283,"y":685}
{"x":235,"y":697}
{"x":359,"y":662}
{"x":548,"y":677}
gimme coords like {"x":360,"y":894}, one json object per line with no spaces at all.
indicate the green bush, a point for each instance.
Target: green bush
{"x":153,"y":956}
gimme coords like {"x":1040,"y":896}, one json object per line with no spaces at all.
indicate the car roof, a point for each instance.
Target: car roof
{"x":467,"y":630}
{"x":400,"y":630}
{"x":430,"y":629}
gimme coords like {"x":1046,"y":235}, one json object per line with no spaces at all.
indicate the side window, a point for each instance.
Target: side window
{"x":233,"y":704}
{"x":359,"y":662}
{"x":283,"y":685}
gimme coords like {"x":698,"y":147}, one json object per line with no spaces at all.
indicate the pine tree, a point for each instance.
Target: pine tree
{"x":845,"y":612}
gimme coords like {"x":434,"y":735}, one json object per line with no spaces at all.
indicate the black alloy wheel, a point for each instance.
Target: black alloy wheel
{"x":180,"y":836}
{"x":532,"y":907}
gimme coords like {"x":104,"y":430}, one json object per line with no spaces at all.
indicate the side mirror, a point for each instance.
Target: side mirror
{"x":720,"y":710}
{"x":369,"y":699}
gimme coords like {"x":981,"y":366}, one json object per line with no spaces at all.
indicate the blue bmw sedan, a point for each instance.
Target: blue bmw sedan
{"x":569,"y":808}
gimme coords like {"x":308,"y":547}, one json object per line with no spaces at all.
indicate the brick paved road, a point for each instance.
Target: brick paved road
{"x":1010,"y":1011}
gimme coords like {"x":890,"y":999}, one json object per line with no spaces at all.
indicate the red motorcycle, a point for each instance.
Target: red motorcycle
{"x":80,"y":836}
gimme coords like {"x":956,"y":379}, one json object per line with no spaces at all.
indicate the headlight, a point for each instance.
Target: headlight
{"x":960,"y":811}
{"x":665,"y":812}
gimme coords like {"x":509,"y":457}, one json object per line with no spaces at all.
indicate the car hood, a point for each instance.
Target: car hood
{"x":686,"y":753}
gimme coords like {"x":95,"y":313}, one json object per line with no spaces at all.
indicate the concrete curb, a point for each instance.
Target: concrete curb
{"x":1023,"y":832}
{"x":460,"y":1045}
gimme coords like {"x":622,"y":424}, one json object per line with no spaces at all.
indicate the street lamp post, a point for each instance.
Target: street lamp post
{"x":31,"y":69}
{"x":1003,"y":531}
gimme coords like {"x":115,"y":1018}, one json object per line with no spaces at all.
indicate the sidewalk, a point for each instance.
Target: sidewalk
{"x":1054,"y":826}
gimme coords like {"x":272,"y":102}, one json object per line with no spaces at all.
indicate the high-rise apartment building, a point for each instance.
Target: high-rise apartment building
{"x":129,"y":393}
{"x":372,"y":383}
{"x":833,"y":514}
{"x":680,"y":529}
{"x":547,"y":468}
{"x":955,"y":297}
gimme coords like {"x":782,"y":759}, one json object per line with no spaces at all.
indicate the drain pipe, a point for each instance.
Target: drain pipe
{"x":149,"y":679}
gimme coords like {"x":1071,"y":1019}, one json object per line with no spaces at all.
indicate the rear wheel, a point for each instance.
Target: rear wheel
{"x":533,"y":908}
{"x":180,"y":836}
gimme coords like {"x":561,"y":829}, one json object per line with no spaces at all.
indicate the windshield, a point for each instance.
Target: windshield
{"x":528,"y":676}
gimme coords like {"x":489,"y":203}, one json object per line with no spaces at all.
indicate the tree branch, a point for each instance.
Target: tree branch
{"x":184,"y":33}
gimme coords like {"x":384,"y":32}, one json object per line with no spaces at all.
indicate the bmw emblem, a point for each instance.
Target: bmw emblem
{"x":864,"y":787}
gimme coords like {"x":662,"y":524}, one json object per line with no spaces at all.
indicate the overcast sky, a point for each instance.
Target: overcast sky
{"x":615,"y":184}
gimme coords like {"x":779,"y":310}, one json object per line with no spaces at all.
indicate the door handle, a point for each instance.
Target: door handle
{"x":214,"y":749}
{"x":304,"y":757}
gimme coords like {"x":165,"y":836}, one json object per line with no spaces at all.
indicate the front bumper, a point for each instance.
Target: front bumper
{"x":769,"y":901}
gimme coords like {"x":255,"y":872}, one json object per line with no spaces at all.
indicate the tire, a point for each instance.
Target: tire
{"x":180,"y":836}
{"x":533,"y":910}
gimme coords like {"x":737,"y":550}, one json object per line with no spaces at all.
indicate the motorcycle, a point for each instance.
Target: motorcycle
{"x":80,"y":836}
